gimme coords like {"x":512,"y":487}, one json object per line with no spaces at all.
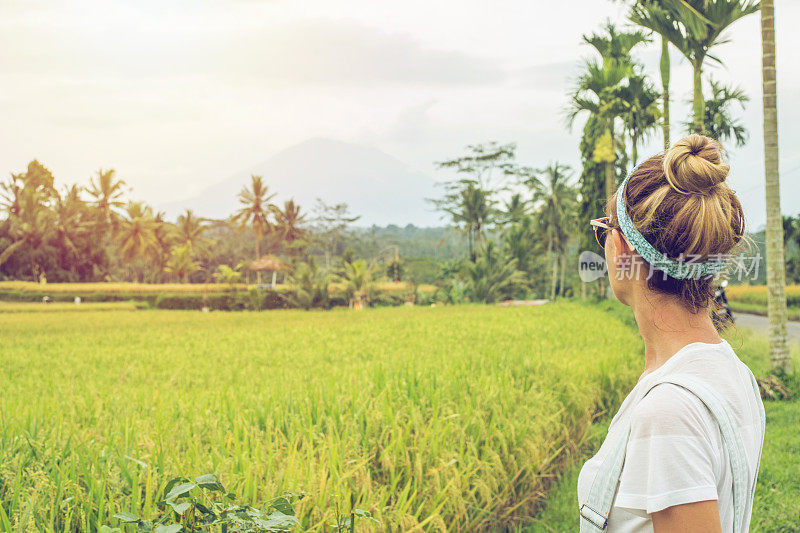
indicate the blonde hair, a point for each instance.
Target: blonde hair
{"x":680,"y":203}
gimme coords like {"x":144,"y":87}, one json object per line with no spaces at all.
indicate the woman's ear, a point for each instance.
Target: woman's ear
{"x":621,"y":245}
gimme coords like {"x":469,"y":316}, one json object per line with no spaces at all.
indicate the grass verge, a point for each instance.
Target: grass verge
{"x":761,"y":309}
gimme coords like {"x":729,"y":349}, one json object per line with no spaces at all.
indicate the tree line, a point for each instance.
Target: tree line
{"x":95,"y":233}
{"x":525,"y":226}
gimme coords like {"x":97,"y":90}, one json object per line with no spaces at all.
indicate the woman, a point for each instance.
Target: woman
{"x":668,"y":228}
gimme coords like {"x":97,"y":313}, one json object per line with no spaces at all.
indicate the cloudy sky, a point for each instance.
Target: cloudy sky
{"x":180,"y":95}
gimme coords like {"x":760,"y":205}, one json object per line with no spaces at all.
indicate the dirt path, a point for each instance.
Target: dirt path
{"x":760,"y":323}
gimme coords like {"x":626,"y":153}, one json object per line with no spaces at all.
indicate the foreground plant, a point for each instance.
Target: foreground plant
{"x":204,"y":505}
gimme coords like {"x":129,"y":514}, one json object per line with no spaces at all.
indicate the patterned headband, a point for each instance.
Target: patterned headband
{"x":680,"y":269}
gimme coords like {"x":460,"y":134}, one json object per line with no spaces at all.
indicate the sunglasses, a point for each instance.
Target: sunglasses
{"x":601,"y":230}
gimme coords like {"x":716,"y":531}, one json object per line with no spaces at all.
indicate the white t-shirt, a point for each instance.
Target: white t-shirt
{"x":675,"y":454}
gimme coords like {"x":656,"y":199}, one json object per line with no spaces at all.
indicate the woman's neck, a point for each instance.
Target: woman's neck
{"x":666,"y":326}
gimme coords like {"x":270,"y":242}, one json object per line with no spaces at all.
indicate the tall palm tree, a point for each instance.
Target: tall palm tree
{"x":693,"y":27}
{"x":69,"y":225}
{"x":10,"y":193}
{"x":776,"y":273}
{"x":107,"y":192}
{"x":654,"y":8}
{"x":471,"y":208}
{"x":514,"y":210}
{"x":165,"y":235}
{"x":190,"y":230}
{"x":640,"y":114}
{"x":289,"y":223}
{"x":137,"y":234}
{"x":598,"y":92}
{"x":30,"y":227}
{"x":556,"y":199}
{"x":255,"y":211}
{"x":718,"y":118}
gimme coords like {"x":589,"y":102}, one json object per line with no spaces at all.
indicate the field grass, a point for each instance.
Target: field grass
{"x":65,"y":307}
{"x":757,"y":294}
{"x":152,"y":288}
{"x":777,"y":501}
{"x":446,"y":418}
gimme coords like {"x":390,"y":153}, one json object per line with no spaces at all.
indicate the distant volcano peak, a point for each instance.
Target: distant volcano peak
{"x":377,"y":186}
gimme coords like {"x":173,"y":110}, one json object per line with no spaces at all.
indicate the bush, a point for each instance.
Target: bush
{"x":254,"y":300}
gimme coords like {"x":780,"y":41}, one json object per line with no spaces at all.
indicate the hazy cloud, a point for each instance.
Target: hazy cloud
{"x":343,"y":53}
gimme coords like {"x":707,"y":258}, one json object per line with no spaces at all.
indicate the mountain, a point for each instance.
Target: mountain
{"x":375,"y":185}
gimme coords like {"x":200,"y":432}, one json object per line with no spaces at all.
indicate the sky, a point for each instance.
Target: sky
{"x":179,"y":95}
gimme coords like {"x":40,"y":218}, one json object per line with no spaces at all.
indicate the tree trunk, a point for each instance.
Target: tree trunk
{"x":563,"y":270}
{"x":554,"y":281}
{"x":698,"y":105}
{"x":609,"y":172}
{"x":776,"y":273}
{"x":471,"y":242}
{"x":634,"y":149}
{"x":665,"y":73}
{"x":609,"y":165}
{"x":258,"y":256}
{"x":550,"y":258}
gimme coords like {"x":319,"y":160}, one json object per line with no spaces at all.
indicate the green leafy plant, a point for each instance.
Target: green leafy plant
{"x":347,"y":522}
{"x":309,"y":286}
{"x":205,"y":505}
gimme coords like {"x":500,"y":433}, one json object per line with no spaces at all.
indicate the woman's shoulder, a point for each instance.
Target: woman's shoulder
{"x":669,"y":409}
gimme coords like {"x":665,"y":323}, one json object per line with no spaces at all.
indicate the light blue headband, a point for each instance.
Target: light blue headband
{"x":680,"y":269}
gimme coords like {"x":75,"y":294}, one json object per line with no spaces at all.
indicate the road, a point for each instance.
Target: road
{"x":760,"y":323}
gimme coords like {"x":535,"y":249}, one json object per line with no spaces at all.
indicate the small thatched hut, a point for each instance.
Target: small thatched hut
{"x":268,"y":263}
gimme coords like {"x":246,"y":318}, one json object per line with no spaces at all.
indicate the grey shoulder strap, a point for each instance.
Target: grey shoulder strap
{"x":594,"y":512}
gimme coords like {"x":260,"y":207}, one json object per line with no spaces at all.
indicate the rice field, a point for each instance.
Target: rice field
{"x":154,"y":288}
{"x":64,"y":307}
{"x":757,"y":294}
{"x":435,"y":419}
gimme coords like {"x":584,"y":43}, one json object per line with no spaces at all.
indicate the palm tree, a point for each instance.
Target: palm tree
{"x":182,"y":263}
{"x":226,"y":274}
{"x":190,"y":232}
{"x":471,"y":209}
{"x":514,"y":211}
{"x":137,"y":233}
{"x":519,"y":242}
{"x":718,"y":119}
{"x":598,"y":93}
{"x":693,"y":27}
{"x":655,"y":10}
{"x":556,"y":199}
{"x":493,"y":276}
{"x":776,"y":273}
{"x":640,"y":110}
{"x":31,"y":225}
{"x":357,"y":277}
{"x":164,"y":234}
{"x":309,"y":286}
{"x":70,"y":225}
{"x":107,"y":192}
{"x":10,"y":193}
{"x":289,"y":223}
{"x":255,"y":211}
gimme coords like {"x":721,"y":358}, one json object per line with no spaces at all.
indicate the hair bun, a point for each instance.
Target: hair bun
{"x":695,"y":165}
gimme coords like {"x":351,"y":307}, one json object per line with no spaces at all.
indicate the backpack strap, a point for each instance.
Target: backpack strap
{"x":594,"y":512}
